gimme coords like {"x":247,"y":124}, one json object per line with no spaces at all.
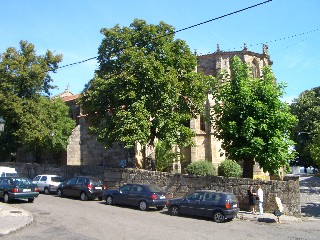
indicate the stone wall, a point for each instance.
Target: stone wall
{"x":178,"y":184}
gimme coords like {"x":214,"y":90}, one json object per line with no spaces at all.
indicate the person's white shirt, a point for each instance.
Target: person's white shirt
{"x":260,"y":194}
{"x":279,"y":204}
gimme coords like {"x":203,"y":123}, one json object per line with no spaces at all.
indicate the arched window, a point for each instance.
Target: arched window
{"x":255,"y":69}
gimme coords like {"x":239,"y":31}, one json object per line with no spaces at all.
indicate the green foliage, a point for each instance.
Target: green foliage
{"x":250,"y":119}
{"x":165,"y":156}
{"x":306,"y":132}
{"x":202,"y":168}
{"x":229,"y":168}
{"x":145,"y":87}
{"x":29,"y":116}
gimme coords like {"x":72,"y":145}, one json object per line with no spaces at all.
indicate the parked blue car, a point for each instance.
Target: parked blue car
{"x":143,"y":196}
{"x":220,"y":206}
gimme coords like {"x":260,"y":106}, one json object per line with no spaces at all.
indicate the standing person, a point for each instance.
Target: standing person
{"x":260,"y":199}
{"x":279,"y":210}
{"x":252,"y":199}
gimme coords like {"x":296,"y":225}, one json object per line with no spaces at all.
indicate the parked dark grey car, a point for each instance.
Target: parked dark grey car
{"x":143,"y":196}
{"x":221,"y":206}
{"x":87,"y":188}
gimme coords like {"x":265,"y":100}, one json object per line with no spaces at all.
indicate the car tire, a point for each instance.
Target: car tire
{"x":30,"y":200}
{"x":46,"y":191}
{"x":218,"y":217}
{"x":6,"y":198}
{"x":174,"y":210}
{"x":143,"y":205}
{"x":59,"y":193}
{"x":159,"y":208}
{"x":109,"y":200}
{"x":83,"y":196}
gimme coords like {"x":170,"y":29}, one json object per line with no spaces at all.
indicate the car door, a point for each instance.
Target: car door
{"x":122,"y":196}
{"x":208,"y":204}
{"x":191,"y":203}
{"x":3,"y":183}
{"x":42,"y":183}
{"x":79,"y":186}
{"x":135,"y":194}
{"x":68,"y":188}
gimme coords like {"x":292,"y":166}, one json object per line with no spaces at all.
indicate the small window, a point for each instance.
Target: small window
{"x":195,"y":196}
{"x":72,"y":181}
{"x":81,"y":181}
{"x":43,"y":178}
{"x":125,"y":188}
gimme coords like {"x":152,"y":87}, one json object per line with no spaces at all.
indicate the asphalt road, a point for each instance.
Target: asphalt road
{"x":63,"y":218}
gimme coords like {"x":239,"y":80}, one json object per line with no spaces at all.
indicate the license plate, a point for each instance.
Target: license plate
{"x":162,"y":197}
{"x":98,"y":188}
{"x":26,"y":190}
{"x":235,"y":205}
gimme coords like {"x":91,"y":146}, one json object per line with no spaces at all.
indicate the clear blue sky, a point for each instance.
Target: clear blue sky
{"x":72,"y":28}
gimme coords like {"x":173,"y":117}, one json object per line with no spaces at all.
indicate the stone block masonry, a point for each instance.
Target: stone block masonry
{"x":178,"y":184}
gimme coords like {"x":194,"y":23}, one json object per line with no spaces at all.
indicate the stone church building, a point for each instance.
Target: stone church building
{"x":83,"y":148}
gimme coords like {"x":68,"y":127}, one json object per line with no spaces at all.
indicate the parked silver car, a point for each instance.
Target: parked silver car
{"x":48,"y":183}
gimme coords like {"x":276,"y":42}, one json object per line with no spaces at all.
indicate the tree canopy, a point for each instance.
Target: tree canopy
{"x":306,"y":133}
{"x":29,"y":115}
{"x":250,"y":119}
{"x":146,"y":87}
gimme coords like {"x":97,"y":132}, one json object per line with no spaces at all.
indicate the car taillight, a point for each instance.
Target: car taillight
{"x":168,"y":196}
{"x":36,"y":189}
{"x":89,"y":186}
{"x":227,"y":205}
{"x":154,"y":196}
{"x":104,"y":187}
{"x":15,"y":190}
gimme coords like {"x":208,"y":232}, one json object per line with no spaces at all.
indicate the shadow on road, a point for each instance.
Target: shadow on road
{"x":310,"y":196}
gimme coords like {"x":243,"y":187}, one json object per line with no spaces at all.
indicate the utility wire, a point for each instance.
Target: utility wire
{"x":183,"y":29}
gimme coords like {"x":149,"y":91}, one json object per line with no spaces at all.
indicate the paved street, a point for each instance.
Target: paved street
{"x":63,"y":218}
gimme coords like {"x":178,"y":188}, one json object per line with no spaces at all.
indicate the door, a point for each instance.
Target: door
{"x":122,"y":196}
{"x":42,"y":183}
{"x":191,"y":203}
{"x":68,"y":189}
{"x":135,"y":195}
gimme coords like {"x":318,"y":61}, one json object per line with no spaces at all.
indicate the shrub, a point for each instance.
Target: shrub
{"x":229,"y":168}
{"x":202,"y":168}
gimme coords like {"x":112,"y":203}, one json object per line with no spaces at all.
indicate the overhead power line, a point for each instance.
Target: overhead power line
{"x":183,"y":29}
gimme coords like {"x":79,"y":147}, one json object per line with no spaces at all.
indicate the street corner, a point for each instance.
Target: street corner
{"x":13,"y":218}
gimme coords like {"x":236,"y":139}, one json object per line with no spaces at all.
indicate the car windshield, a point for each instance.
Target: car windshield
{"x":154,"y":188}
{"x":57,"y":179}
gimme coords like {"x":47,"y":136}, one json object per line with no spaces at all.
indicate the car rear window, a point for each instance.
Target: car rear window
{"x":95,"y":181}
{"x":57,"y":179}
{"x":154,"y":188}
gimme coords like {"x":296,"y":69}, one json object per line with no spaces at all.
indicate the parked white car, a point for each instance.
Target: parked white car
{"x":48,"y":183}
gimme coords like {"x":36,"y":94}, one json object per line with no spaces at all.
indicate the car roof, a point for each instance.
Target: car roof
{"x":212,"y":191}
{"x":49,"y":175}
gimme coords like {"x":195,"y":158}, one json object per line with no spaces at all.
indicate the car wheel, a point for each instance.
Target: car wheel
{"x":109,"y":200}
{"x":6,"y":198}
{"x":83,"y":196}
{"x":60,"y":193}
{"x":46,"y":191}
{"x":174,"y":211}
{"x":159,"y":208}
{"x":218,"y":217}
{"x":30,"y":200}
{"x":143,"y":206}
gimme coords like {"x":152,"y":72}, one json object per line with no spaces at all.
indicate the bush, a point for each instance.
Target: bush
{"x":202,"y":168}
{"x":229,"y":168}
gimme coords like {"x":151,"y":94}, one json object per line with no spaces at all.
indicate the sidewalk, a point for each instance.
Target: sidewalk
{"x":13,"y":218}
{"x":266,"y":217}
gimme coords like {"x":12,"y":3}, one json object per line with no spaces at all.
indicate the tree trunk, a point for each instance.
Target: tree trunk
{"x":248,"y":168}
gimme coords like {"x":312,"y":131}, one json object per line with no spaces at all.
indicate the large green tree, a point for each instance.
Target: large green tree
{"x":306,"y":133}
{"x":251,"y":120}
{"x":29,"y":115}
{"x":146,"y":87}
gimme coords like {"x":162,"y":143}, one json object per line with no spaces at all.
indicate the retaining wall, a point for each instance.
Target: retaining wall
{"x":178,"y":184}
